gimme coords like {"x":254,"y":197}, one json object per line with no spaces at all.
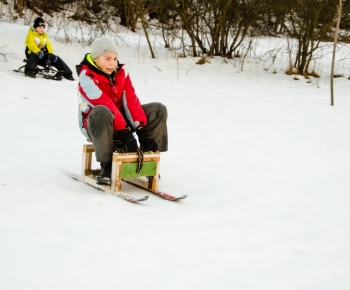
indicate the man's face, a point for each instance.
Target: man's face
{"x":107,"y":62}
{"x":40,"y":29}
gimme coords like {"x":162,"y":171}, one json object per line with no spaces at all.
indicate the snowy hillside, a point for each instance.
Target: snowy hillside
{"x":264,"y":160}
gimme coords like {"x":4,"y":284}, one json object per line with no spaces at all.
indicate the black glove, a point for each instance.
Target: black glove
{"x":54,"y":58}
{"x":40,"y":55}
{"x":147,"y":142}
{"x":128,"y":139}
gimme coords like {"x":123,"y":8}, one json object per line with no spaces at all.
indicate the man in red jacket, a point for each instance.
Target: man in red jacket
{"x":110,"y":111}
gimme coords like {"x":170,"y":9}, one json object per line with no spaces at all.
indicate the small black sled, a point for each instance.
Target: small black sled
{"x":46,"y":70}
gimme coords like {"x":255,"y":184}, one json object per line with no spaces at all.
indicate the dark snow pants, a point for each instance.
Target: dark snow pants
{"x":33,"y":60}
{"x":103,"y":136}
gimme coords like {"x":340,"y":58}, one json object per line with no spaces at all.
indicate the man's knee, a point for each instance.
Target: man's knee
{"x":101,"y":115}
{"x":155,"y":111}
{"x":162,"y":111}
{"x":101,"y":111}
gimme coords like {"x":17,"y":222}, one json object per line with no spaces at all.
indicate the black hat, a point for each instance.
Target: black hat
{"x":39,"y":22}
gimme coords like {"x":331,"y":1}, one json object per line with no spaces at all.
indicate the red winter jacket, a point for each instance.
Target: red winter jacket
{"x":114,"y":91}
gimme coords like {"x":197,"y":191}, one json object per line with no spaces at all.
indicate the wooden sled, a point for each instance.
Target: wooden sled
{"x":124,"y":166}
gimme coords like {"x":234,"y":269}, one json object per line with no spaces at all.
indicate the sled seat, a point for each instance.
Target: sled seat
{"x":124,"y":166}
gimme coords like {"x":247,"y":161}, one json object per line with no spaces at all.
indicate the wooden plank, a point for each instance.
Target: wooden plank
{"x":86,"y":163}
{"x":118,"y":179}
{"x":113,"y":176}
{"x":133,"y":157}
{"x":153,"y":183}
{"x":88,"y":148}
{"x":148,"y":169}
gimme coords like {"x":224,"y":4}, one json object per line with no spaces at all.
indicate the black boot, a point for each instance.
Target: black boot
{"x":31,"y":74}
{"x":104,"y":177}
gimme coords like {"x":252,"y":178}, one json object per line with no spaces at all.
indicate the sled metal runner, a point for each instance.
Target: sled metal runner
{"x":144,"y":185}
{"x":91,"y":181}
{"x":47,"y":71}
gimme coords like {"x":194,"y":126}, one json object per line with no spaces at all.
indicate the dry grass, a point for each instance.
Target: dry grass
{"x":292,"y":71}
{"x":203,"y":60}
{"x":314,"y":74}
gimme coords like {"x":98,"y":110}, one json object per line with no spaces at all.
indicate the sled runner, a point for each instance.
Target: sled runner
{"x":47,"y":71}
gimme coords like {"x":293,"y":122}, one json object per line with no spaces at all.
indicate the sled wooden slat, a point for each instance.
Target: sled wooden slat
{"x":129,"y":169}
{"x":133,"y":157}
{"x":88,"y":149}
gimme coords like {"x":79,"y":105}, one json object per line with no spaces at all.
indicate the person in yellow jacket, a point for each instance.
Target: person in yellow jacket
{"x":39,"y":50}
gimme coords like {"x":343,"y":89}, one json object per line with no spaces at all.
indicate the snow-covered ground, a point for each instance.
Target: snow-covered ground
{"x":264,"y":160}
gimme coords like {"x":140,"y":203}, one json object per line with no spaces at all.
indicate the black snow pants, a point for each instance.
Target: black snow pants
{"x":33,"y":60}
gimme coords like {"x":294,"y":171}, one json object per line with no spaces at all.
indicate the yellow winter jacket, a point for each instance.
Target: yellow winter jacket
{"x":36,"y":42}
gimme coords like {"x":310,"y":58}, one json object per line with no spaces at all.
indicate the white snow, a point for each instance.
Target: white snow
{"x":264,"y":160}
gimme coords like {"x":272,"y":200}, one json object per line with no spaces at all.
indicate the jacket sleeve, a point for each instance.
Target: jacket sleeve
{"x":94,"y":96}
{"x":131,"y":103}
{"x":48,"y":45}
{"x":30,"y":43}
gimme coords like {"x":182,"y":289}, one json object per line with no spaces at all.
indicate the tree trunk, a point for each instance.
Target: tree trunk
{"x":334,"y":49}
{"x":18,"y":6}
{"x":140,"y":15}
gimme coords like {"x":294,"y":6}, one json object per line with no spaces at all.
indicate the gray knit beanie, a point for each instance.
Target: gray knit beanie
{"x":103,"y":45}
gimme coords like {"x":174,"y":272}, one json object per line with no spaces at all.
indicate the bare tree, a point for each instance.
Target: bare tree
{"x":127,"y":13}
{"x":217,"y":27}
{"x":18,"y":6}
{"x":334,"y":49}
{"x":139,"y":4}
{"x":308,"y":21}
